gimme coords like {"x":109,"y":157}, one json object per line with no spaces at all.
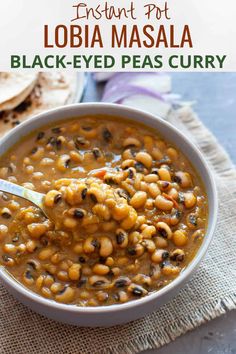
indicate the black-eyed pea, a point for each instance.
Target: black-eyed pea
{"x":115,"y":271}
{"x":159,"y":256}
{"x":172,"y":153}
{"x":64,"y":265}
{"x":97,"y":195}
{"x":70,"y":223}
{"x":66,"y":295}
{"x":120,"y":211}
{"x":39,"y":282}
{"x":46,"y":292}
{"x":150,"y":204}
{"x":109,"y":226}
{"x":52,"y":198}
{"x":56,"y":287}
{"x":110,"y":202}
{"x":164,"y":174}
{"x":90,"y":245}
{"x":127,"y":163}
{"x":131,"y":142}
{"x":106,"y":247}
{"x":3,"y":232}
{"x":13,"y":205}
{"x":154,"y":190}
{"x":136,"y":250}
{"x":175,"y":217}
{"x":74,"y":271}
{"x":121,"y":238}
{"x":89,"y":132}
{"x":63,"y":162}
{"x":173,"y":193}
{"x":148,"y":232}
{"x":156,"y":153}
{"x":163,"y":204}
{"x":137,"y":180}
{"x":164,"y":229}
{"x":149,"y":245}
{"x":37,"y":153}
{"x":91,"y":229}
{"x":46,"y":253}
{"x":137,"y":290}
{"x":123,"y":296}
{"x":143,"y":186}
{"x":144,"y":158}
{"x":6,"y":213}
{"x":28,"y":277}
{"x":141,"y":219}
{"x":37,"y":230}
{"x":170,"y":270}
{"x":160,"y":242}
{"x":84,"y":295}
{"x":192,"y":221}
{"x":198,"y":235}
{"x":122,"y":261}
{"x":10,"y":248}
{"x":102,"y":211}
{"x":98,"y":281}
{"x":78,"y":248}
{"x":76,"y":156}
{"x":127,"y":154}
{"x":102,"y":296}
{"x":189,"y":200}
{"x":138,"y":200}
{"x":101,"y":269}
{"x":135,"y":237}
{"x":164,"y":186}
{"x":155,"y":271}
{"x":183,"y":179}
{"x":130,"y":220}
{"x":56,"y":258}
{"x":152,"y":178}
{"x":92,"y":302}
{"x":63,"y":275}
{"x":31,"y":245}
{"x":109,"y":261}
{"x":50,"y":268}
{"x":180,"y":238}
{"x":148,"y":142}
{"x":21,"y":248}
{"x":29,"y":169}
{"x":128,"y":188}
{"x":177,"y":255}
{"x":142,"y":279}
{"x":48,"y":281}
{"x":122,"y":282}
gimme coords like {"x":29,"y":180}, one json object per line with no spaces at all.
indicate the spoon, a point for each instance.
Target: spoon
{"x":25,"y":193}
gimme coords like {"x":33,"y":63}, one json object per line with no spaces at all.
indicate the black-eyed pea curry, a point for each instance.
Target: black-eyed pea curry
{"x":127,"y":212}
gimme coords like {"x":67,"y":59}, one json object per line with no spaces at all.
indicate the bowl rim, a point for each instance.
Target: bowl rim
{"x":9,"y":280}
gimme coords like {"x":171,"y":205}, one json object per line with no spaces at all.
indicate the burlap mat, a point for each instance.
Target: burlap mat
{"x":210,"y":293}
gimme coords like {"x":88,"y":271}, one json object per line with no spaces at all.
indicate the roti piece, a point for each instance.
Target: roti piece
{"x":14,"y":88}
{"x":52,"y":90}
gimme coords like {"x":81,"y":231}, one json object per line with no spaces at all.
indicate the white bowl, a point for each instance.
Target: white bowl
{"x":120,"y":313}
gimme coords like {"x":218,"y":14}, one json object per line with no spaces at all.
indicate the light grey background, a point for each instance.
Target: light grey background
{"x":215,"y":96}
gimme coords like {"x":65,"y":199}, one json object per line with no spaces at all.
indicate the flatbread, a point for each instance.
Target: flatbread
{"x":51,"y":90}
{"x":14,"y":88}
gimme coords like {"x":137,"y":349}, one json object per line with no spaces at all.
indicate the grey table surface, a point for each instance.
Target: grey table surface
{"x":215,"y":96}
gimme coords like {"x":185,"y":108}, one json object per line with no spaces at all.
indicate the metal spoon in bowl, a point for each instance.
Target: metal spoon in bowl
{"x":25,"y":193}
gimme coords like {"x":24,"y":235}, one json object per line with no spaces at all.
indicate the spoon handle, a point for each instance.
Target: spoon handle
{"x":19,"y":191}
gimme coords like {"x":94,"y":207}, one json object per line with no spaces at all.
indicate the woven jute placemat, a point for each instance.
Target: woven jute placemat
{"x":210,"y":293}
